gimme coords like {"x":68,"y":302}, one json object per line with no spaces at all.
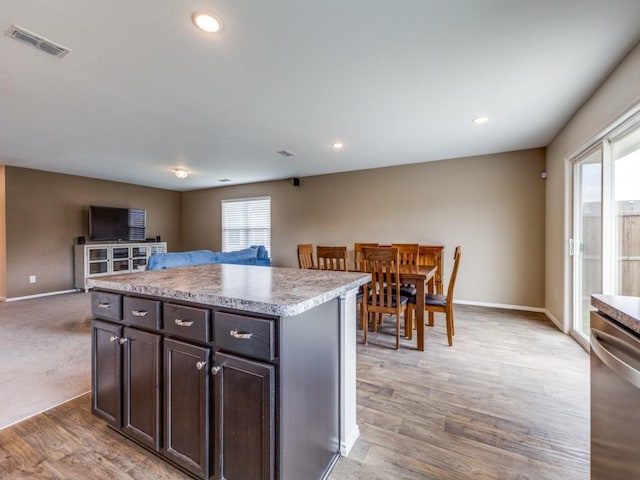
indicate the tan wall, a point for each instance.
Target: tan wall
{"x":615,"y":96}
{"x":46,"y":211}
{"x":491,"y":205}
{"x":3,"y":237}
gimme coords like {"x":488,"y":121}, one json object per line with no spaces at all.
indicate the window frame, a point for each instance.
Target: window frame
{"x":250,"y":239}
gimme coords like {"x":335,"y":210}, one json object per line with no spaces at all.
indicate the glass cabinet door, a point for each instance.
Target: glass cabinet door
{"x":98,"y":260}
{"x":120,"y":259}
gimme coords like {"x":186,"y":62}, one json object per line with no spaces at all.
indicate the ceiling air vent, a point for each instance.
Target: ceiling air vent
{"x":286,"y":153}
{"x":37,"y":41}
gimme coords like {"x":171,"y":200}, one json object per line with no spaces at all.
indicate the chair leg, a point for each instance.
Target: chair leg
{"x":365,"y":318}
{"x":449,"y":321}
{"x":453,"y":329}
{"x":431,"y":315}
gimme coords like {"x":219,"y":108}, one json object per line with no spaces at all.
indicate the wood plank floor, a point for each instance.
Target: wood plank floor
{"x":510,"y":400}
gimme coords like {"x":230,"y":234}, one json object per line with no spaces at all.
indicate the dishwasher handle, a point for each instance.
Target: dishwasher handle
{"x":599,"y":340}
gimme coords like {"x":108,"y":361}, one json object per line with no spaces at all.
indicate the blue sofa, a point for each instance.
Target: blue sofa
{"x":254,"y":255}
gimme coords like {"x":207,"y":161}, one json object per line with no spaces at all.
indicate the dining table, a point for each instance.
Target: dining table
{"x":419,"y":276}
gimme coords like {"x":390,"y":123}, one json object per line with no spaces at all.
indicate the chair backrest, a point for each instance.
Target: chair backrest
{"x":408,"y":253}
{"x":358,"y":264}
{"x":454,"y":273}
{"x":332,"y":258}
{"x":305,"y":256}
{"x":382,"y":263}
{"x":432,"y":255}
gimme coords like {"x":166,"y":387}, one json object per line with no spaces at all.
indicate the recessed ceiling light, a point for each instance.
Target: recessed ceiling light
{"x":480,"y":120}
{"x":207,"y":21}
{"x":337,"y":145}
{"x":180,"y":173}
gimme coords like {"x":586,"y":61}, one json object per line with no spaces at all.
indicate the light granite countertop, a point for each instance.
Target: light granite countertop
{"x":624,"y":310}
{"x":269,"y":290}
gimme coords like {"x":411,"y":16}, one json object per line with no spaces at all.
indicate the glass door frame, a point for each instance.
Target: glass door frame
{"x":576,"y":243}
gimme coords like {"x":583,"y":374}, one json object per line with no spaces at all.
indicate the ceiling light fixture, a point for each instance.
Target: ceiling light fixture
{"x":207,"y":21}
{"x":337,"y":145}
{"x":480,"y":120}
{"x":180,"y":173}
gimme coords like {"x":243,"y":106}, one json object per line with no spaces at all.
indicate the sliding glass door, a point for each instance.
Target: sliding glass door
{"x":586,"y":245}
{"x":605,"y":244}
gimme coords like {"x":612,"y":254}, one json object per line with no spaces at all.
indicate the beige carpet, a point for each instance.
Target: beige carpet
{"x":45,"y":354}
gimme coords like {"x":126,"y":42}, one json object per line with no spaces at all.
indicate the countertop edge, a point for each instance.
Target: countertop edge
{"x":284,"y":310}
{"x":624,"y":310}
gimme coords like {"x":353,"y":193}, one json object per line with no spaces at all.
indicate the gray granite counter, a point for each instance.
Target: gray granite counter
{"x":624,"y":310}
{"x":270,"y":290}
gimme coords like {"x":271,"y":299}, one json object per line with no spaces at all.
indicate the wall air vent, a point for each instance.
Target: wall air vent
{"x":37,"y":41}
{"x":286,"y":153}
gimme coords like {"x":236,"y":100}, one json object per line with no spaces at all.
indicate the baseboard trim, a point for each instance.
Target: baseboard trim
{"x":555,"y":321}
{"x":347,"y":444}
{"x":38,"y":295}
{"x":501,"y":305}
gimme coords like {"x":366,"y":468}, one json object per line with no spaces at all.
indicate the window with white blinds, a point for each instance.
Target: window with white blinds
{"x":246,"y":222}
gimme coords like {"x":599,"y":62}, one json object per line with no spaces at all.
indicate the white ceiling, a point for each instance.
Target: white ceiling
{"x":143,"y":91}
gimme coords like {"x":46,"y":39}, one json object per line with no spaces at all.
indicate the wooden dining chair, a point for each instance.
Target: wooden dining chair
{"x":441,"y":303}
{"x":358,"y":264}
{"x":408,"y":254}
{"x":305,"y":256}
{"x":432,"y":255}
{"x":332,"y":258}
{"x":382,"y":294}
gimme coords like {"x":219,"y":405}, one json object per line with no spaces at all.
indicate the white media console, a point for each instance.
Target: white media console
{"x":99,"y":259}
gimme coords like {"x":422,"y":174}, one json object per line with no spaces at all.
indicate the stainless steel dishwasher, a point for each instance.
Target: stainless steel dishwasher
{"x":615,"y":400}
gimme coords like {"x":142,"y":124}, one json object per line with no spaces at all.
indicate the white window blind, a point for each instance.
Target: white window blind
{"x":246,"y":222}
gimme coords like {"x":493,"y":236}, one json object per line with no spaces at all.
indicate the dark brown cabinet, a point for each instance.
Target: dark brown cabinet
{"x":141,"y":386}
{"x":106,"y":372}
{"x":217,"y":392}
{"x":244,"y":418}
{"x":126,"y":380}
{"x":187,"y":406}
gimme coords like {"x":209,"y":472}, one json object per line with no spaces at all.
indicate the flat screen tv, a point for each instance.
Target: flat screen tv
{"x":112,"y":224}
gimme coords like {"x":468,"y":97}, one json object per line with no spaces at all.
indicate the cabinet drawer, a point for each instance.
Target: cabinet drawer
{"x":253,"y":337}
{"x":187,"y":322}
{"x":107,"y":306}
{"x":141,"y":312}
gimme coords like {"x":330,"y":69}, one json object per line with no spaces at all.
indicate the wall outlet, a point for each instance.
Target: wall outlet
{"x":32,"y":279}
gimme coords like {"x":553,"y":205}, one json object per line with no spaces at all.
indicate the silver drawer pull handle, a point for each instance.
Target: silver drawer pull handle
{"x":242,"y":336}
{"x":184,"y":323}
{"x":104,"y":305}
{"x":215,"y":370}
{"x":122,"y":341}
{"x":201,"y":365}
{"x":113,"y":338}
{"x":139,"y":313}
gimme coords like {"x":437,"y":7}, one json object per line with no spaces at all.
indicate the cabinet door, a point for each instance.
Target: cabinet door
{"x":141,"y":387}
{"x":97,"y":260}
{"x":244,"y":418}
{"x":186,"y":406}
{"x":106,"y":371}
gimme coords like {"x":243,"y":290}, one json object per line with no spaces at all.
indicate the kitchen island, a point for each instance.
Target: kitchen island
{"x":229,"y":371}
